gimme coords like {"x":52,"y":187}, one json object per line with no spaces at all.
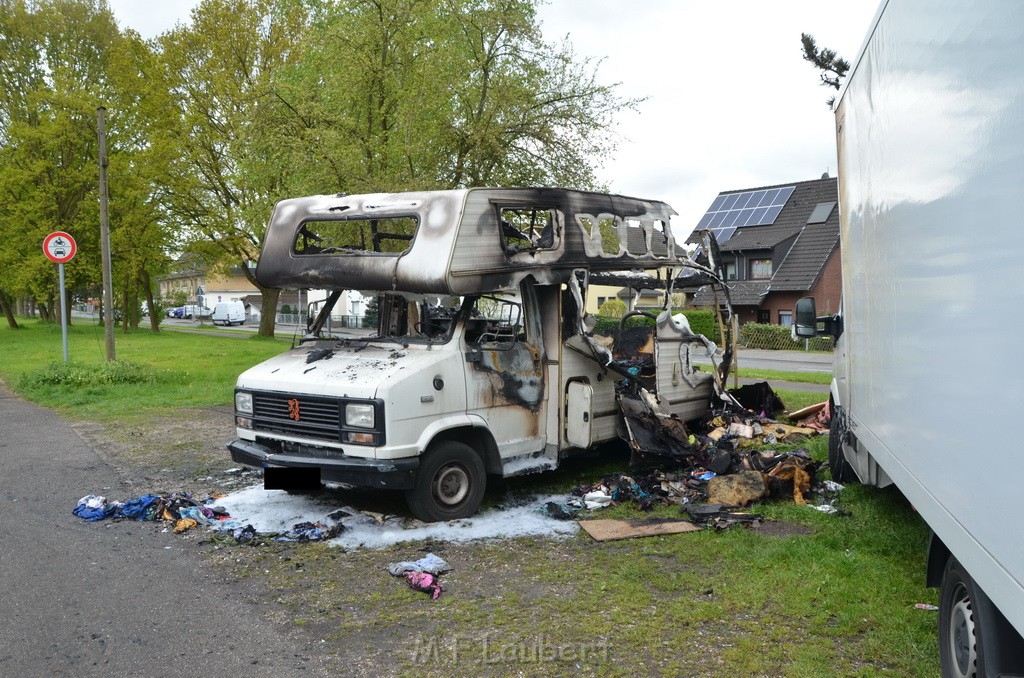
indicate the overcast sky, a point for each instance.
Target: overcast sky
{"x":730,"y":104}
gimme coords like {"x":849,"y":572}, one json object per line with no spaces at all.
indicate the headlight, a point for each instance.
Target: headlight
{"x":360,"y":415}
{"x":243,"y":402}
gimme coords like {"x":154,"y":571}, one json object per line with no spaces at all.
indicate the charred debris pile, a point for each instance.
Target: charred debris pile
{"x":720,"y":462}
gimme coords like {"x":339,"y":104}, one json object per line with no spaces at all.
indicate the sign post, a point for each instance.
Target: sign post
{"x":59,"y":247}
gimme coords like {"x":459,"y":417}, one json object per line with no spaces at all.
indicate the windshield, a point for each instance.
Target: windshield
{"x":396,"y":318}
{"x":428,"y":319}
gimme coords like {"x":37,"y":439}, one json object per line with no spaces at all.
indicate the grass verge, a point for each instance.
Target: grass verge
{"x":182,"y":370}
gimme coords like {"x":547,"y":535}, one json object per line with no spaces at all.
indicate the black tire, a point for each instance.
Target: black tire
{"x":959,"y":625}
{"x":450,"y":483}
{"x":841,"y":470}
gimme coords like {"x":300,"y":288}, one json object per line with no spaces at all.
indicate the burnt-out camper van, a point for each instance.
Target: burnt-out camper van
{"x":483,"y":360}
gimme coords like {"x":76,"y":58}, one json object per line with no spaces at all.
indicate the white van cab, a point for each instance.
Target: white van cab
{"x":229,"y":313}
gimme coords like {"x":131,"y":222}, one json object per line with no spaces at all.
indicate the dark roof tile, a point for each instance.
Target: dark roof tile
{"x":759,"y":238}
{"x":741,"y":293}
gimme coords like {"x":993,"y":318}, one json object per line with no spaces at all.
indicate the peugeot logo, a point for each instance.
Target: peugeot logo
{"x":293,"y":409}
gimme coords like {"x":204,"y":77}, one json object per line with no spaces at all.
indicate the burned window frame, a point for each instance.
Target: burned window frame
{"x":643,"y":236}
{"x":387,"y":311}
{"x":605,"y":224}
{"x":308,"y":238}
{"x":519,"y":329}
{"x":536,"y":242}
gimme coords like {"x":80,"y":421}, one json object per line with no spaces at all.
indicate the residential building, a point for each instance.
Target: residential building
{"x":778,"y":244}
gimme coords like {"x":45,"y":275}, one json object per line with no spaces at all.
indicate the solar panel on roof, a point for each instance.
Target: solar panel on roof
{"x":749,"y":208}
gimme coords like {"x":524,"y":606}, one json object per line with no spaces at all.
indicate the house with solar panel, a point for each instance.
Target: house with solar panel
{"x":777,"y":244}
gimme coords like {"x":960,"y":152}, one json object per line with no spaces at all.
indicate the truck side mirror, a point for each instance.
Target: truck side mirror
{"x":806,"y":318}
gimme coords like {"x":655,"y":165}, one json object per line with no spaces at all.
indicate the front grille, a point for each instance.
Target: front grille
{"x":318,"y":417}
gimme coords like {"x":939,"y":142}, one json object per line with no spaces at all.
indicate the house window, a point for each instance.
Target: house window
{"x":764,"y":317}
{"x":786,"y":318}
{"x":730,"y":270}
{"x":760,"y":269}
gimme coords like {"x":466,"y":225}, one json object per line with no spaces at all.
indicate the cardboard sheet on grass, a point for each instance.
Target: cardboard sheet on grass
{"x":609,"y":529}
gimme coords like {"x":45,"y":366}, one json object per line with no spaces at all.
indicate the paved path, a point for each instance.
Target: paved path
{"x":124,"y":599}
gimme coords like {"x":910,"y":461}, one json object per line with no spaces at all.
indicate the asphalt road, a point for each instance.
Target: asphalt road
{"x":782,"y":361}
{"x":116,"y":599}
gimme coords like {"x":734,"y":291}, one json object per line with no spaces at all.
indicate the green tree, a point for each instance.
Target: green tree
{"x":832,"y":67}
{"x":61,"y":60}
{"x":226,"y":172}
{"x":141,"y":231}
{"x":54,"y":78}
{"x":420,"y":94}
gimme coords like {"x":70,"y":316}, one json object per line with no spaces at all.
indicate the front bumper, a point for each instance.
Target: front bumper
{"x":392,"y":474}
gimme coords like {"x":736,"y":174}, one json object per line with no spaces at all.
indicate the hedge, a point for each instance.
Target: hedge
{"x":701,"y":322}
{"x":779,"y":337}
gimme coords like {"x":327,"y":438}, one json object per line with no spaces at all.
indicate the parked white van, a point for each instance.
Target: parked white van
{"x":229,"y":313}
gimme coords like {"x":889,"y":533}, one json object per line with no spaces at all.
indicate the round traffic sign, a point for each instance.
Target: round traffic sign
{"x":59,"y":247}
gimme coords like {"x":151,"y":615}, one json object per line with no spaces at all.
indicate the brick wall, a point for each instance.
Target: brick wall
{"x":826,"y":295}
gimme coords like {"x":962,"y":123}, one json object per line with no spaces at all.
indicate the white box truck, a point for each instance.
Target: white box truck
{"x":929,"y":373}
{"x":481,"y":359}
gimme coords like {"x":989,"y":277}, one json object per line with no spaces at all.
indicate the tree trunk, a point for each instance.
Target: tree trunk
{"x":5,"y":306}
{"x":269,"y":297}
{"x":268,"y":314}
{"x":154,"y":321}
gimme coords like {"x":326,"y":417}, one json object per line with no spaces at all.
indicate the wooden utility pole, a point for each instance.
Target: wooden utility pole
{"x":108,"y":292}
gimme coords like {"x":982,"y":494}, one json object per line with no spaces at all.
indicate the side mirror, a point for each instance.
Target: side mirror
{"x":806,"y":325}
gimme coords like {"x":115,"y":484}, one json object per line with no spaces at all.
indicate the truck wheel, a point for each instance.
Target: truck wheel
{"x":959,"y":630}
{"x":842,"y":472}
{"x":450,"y":483}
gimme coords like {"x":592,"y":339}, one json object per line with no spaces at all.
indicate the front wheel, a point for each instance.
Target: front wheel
{"x":450,"y":483}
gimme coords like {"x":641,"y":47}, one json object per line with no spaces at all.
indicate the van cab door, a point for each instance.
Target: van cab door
{"x":505,"y":382}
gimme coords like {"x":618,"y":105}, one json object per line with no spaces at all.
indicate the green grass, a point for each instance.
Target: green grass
{"x":187,"y":370}
{"x":797,"y":400}
{"x":799,"y":377}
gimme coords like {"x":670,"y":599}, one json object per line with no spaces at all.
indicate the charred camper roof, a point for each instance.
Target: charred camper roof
{"x":460,"y":241}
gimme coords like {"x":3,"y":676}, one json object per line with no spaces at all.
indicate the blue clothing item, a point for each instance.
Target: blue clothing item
{"x":194,"y":513}
{"x":94,"y":513}
{"x":138,"y":509}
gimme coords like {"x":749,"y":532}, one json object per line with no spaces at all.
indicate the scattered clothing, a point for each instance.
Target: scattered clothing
{"x":184,"y":524}
{"x":426,"y":582}
{"x":195,"y":513}
{"x":311,"y":532}
{"x":245,"y":534}
{"x":136,"y":509}
{"x":429,"y":563}
{"x":93,"y":507}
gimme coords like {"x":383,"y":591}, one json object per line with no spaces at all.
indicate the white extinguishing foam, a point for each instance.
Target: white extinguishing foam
{"x":278,"y":511}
